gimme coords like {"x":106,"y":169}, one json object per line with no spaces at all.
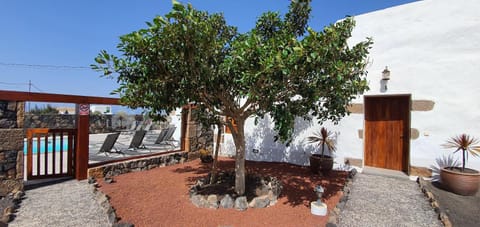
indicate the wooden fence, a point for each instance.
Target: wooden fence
{"x":50,"y":153}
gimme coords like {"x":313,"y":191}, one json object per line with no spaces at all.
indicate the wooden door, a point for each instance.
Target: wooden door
{"x":387,"y":131}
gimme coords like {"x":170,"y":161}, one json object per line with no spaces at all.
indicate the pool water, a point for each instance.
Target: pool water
{"x":50,"y":147}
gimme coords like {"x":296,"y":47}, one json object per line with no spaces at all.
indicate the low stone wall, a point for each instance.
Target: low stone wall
{"x":50,"y":121}
{"x":11,"y":160}
{"x":11,"y":114}
{"x":98,"y":123}
{"x":11,"y":157}
{"x":198,"y":136}
{"x":136,"y":165}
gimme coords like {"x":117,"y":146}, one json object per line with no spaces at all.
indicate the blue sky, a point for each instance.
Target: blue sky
{"x":36,"y":34}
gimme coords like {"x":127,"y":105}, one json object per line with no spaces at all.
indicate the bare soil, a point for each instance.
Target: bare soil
{"x":159,"y":197}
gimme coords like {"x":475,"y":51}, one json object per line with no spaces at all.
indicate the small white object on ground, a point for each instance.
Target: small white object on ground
{"x":318,"y":208}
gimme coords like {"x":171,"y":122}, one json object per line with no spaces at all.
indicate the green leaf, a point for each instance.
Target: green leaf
{"x":192,"y":56}
{"x":100,"y":60}
{"x":177,"y":6}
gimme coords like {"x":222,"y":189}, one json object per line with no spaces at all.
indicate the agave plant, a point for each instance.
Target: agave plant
{"x":442,"y":162}
{"x":465,"y":143}
{"x":323,"y":138}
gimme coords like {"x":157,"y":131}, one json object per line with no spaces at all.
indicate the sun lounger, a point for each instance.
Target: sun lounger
{"x":167,"y":137}
{"x":109,"y":144}
{"x":136,"y":142}
{"x":161,"y":136}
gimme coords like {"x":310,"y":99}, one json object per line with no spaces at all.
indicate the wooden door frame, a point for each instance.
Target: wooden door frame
{"x":406,"y":145}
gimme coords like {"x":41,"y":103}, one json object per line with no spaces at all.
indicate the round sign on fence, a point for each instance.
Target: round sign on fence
{"x":84,"y":109}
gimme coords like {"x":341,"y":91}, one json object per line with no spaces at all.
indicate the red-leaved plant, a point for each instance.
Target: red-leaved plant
{"x":465,"y":143}
{"x":322,"y":139}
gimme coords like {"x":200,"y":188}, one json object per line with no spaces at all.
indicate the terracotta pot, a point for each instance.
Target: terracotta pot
{"x":319,"y":163}
{"x":461,"y":183}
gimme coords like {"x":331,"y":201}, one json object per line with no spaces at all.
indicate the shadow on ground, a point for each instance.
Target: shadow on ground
{"x":461,"y":210}
{"x":298,"y":181}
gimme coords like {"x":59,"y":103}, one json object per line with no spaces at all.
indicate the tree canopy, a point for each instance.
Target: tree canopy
{"x":281,"y":67}
{"x":48,"y":109}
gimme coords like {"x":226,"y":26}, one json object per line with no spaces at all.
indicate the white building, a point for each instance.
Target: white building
{"x":432,"y":49}
{"x":104,"y":109}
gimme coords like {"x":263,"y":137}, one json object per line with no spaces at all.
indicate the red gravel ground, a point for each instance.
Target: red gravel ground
{"x":159,"y":197}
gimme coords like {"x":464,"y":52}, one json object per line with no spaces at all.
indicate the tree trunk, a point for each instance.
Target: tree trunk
{"x":213,"y":175}
{"x":239,"y":140}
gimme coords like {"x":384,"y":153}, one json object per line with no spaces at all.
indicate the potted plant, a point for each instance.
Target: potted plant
{"x":205,"y":156}
{"x":461,"y":180}
{"x":321,"y":162}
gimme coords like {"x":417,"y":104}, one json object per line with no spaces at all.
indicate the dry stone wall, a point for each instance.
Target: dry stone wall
{"x":11,"y":156}
{"x":199,"y":137}
{"x":98,"y":123}
{"x":137,"y":165}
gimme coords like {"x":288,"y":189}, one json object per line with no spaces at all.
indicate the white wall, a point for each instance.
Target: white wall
{"x":104,"y":109}
{"x":432,"y":49}
{"x":176,"y":117}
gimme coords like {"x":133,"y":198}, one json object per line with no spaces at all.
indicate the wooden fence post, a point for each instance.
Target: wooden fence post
{"x":82,"y":140}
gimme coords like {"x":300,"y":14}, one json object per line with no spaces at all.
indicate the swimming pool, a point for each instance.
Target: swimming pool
{"x":50,"y":147}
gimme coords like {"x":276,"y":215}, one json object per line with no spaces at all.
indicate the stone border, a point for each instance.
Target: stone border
{"x":433,"y":202}
{"x":266,"y":195}
{"x":104,"y":201}
{"x":347,"y":188}
{"x":108,"y":171}
{"x":12,"y":202}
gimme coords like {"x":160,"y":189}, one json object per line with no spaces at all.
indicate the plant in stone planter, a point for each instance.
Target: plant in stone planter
{"x":461,"y":180}
{"x":321,"y":162}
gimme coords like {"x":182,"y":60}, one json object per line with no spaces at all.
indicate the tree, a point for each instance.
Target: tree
{"x":281,"y":67}
{"x":121,"y":116}
{"x":48,"y":109}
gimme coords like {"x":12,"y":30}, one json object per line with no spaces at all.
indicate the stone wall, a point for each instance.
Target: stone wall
{"x":198,"y":136}
{"x":98,"y":123}
{"x":11,"y":114}
{"x":50,"y":121}
{"x":136,"y":165}
{"x":11,"y":156}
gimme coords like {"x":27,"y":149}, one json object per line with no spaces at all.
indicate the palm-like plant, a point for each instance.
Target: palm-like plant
{"x":465,"y":143}
{"x":323,"y":138}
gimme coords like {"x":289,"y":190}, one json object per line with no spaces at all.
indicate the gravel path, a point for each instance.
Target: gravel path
{"x":69,"y":203}
{"x":377,"y":200}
